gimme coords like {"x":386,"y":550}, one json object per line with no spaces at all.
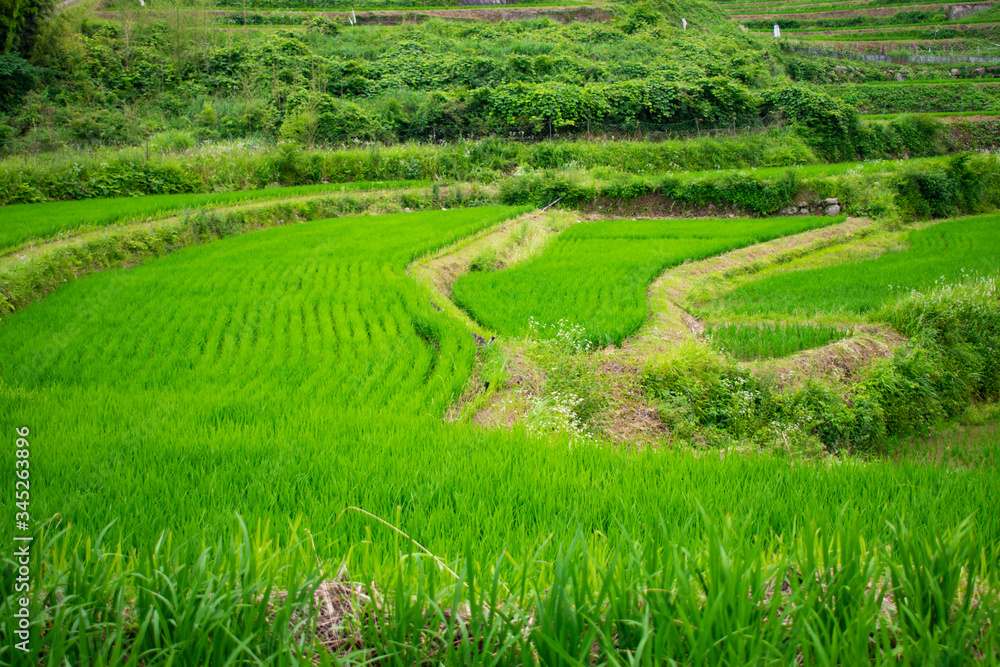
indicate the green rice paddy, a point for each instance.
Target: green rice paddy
{"x":289,"y":373}
{"x":941,"y":253}
{"x":750,"y":341}
{"x":20,"y":223}
{"x":595,"y":275}
{"x":275,"y":379}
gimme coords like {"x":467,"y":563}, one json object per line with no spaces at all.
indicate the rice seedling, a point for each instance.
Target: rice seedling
{"x":595,"y":275}
{"x":941,"y":253}
{"x":24,"y":222}
{"x":749,"y":341}
{"x":716,"y":598}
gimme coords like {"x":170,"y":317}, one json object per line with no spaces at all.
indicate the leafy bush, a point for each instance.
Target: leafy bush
{"x":827,"y":123}
{"x":171,"y":141}
{"x":951,"y":361}
{"x":17,"y":78}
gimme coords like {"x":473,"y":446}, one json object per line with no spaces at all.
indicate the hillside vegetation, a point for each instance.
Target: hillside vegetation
{"x":617,"y":333}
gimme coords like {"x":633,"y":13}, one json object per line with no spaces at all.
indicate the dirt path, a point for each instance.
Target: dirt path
{"x":629,"y":415}
{"x":669,"y":323}
{"x":502,"y":245}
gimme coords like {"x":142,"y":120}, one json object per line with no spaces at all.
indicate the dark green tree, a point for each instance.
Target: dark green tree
{"x":17,"y":77}
{"x":20,"y":23}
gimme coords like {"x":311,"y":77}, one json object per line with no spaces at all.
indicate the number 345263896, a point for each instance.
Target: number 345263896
{"x":21,"y":467}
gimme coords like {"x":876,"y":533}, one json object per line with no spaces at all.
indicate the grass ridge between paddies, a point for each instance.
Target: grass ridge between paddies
{"x":595,"y":275}
{"x":945,"y":252}
{"x":20,"y":223}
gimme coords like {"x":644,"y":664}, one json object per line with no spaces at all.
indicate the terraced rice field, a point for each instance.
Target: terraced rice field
{"x":23,"y":222}
{"x":845,"y":43}
{"x":942,"y":253}
{"x":263,"y":435}
{"x":327,"y":332}
{"x":276,"y":376}
{"x":562,"y":285}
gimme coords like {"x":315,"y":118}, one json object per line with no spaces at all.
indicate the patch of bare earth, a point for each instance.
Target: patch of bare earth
{"x":503,"y":406}
{"x":967,"y":119}
{"x":657,"y":207}
{"x":490,"y":15}
{"x":568,"y":14}
{"x":628,"y":418}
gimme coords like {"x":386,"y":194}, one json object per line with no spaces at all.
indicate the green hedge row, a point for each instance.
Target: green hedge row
{"x":223,"y":168}
{"x":965,"y":183}
{"x":919,"y":97}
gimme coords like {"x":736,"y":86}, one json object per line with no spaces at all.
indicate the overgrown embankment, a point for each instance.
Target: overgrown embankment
{"x":891,"y":191}
{"x":241,"y":166}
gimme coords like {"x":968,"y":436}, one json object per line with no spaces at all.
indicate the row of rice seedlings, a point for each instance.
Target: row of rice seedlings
{"x":825,"y":596}
{"x":941,"y":253}
{"x":595,"y":275}
{"x":22,"y":222}
{"x":748,"y":341}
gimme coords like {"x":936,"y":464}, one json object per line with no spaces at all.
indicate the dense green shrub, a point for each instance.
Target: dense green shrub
{"x":952,"y":360}
{"x":966,"y":184}
{"x":746,"y":191}
{"x":905,"y":136}
{"x":827,"y":123}
{"x":17,"y":77}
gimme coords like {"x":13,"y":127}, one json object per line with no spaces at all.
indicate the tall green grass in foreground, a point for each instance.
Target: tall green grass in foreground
{"x":595,"y":275}
{"x":769,"y":340}
{"x":22,"y":222}
{"x":942,"y":253}
{"x":826,"y":596}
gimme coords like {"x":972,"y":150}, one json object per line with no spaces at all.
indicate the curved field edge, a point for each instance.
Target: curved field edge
{"x":31,"y":273}
{"x":30,"y":224}
{"x":630,"y":415}
{"x":595,"y":276}
{"x":503,"y":245}
{"x":618,"y":394}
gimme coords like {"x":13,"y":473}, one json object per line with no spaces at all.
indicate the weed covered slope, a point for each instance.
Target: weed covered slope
{"x":595,"y":275}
